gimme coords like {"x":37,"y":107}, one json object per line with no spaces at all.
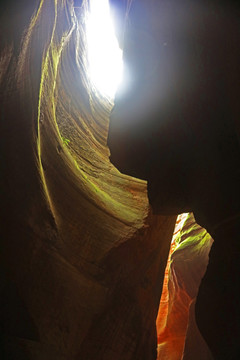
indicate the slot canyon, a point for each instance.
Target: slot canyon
{"x":120,"y":218}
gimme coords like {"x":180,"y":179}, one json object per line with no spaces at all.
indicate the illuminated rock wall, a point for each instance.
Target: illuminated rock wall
{"x":83,"y":258}
{"x":178,"y":336}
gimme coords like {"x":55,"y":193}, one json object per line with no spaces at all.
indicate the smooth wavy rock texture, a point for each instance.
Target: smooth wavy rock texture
{"x":83,"y":257}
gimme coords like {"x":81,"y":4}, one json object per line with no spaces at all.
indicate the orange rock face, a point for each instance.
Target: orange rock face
{"x":187,"y":263}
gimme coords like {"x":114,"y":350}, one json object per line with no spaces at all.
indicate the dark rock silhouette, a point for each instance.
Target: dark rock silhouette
{"x":177,"y":126}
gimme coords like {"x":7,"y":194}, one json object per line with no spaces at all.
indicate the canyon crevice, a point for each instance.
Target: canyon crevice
{"x":83,"y":254}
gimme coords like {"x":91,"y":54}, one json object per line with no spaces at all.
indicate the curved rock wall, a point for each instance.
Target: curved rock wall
{"x":83,"y":257}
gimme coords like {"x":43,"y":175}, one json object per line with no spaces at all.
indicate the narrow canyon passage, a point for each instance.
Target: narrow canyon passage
{"x":83,"y":256}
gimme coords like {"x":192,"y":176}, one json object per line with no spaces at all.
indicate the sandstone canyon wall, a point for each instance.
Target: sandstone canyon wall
{"x":83,"y":258}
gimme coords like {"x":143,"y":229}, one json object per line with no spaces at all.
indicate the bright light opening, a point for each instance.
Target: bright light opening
{"x":104,"y":54}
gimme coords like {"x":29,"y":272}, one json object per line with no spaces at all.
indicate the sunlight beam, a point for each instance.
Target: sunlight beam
{"x":104,"y":54}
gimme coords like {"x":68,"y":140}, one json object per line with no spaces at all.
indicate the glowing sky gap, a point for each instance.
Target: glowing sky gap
{"x":104,"y":54}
